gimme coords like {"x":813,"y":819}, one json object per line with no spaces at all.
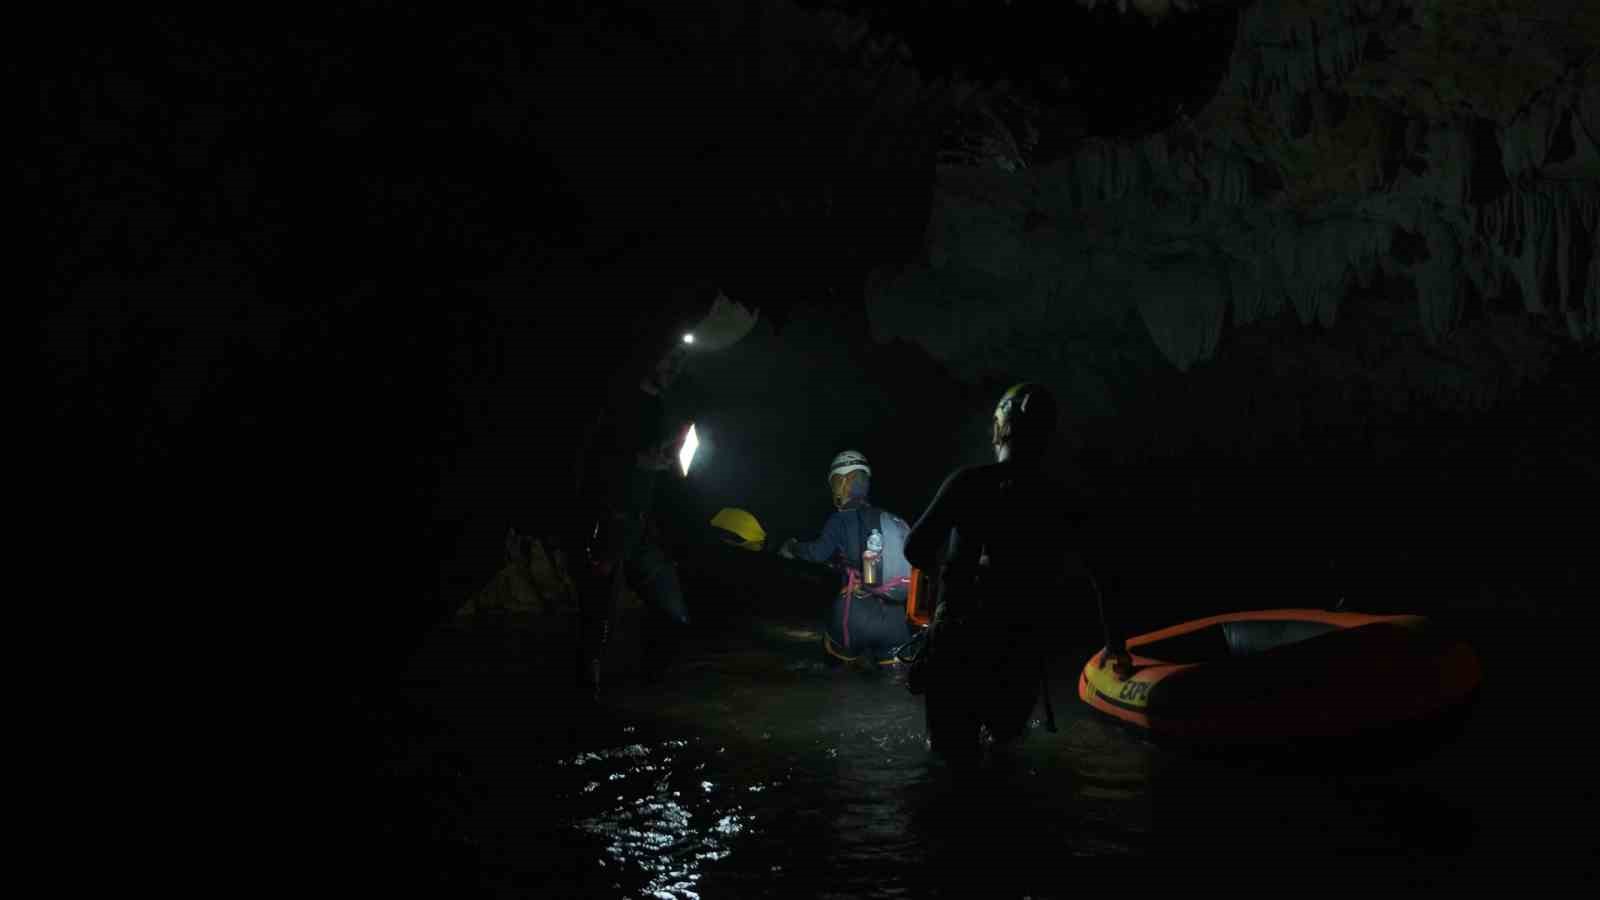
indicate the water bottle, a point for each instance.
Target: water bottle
{"x":872,"y":560}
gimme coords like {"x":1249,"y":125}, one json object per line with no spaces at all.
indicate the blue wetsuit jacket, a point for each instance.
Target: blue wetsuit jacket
{"x":843,"y":537}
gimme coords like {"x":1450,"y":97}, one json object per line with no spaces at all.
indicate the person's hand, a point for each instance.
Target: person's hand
{"x":1118,"y":663}
{"x":786,"y":549}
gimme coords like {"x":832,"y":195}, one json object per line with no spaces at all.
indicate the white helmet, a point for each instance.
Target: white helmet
{"x":849,"y":461}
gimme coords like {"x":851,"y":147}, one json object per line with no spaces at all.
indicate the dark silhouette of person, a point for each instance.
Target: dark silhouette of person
{"x":629,"y":443}
{"x":1008,"y":543}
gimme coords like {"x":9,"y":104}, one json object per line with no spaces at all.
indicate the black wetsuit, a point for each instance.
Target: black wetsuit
{"x":1012,"y":578}
{"x":618,"y":494}
{"x":633,"y":421}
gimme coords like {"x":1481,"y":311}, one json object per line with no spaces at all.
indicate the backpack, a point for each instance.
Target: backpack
{"x":894,"y":530}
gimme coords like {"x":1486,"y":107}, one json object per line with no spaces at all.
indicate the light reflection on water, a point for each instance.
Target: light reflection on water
{"x":656,"y":831}
{"x":816,"y":776}
{"x":754,"y":772}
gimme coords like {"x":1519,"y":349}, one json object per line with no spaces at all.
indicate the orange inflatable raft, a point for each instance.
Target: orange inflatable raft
{"x":1284,"y":673}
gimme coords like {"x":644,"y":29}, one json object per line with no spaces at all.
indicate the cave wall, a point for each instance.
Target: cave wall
{"x":1339,"y":132}
{"x":1285,"y":325}
{"x":1434,"y":162}
{"x":313,"y":297}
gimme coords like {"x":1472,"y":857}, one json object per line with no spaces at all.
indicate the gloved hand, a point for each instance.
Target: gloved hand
{"x":786,"y":549}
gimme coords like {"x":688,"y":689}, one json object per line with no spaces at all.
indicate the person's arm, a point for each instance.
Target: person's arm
{"x":823,"y":548}
{"x":1116,"y":638}
{"x":1101,"y":562}
{"x":928,"y":537}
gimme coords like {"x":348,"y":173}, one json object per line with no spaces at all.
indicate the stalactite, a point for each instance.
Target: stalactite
{"x":1450,"y":164}
{"x":1183,"y":308}
{"x":1562,"y":238}
{"x":1538,"y":235}
{"x":1255,"y":288}
{"x":1479,"y":265}
{"x":1192,"y":186}
{"x":1319,"y":262}
{"x":1304,"y":279}
{"x":1285,"y":53}
{"x":1591,"y":295}
{"x":1231,"y":181}
{"x":1157,"y":155}
{"x":1586,"y":114}
{"x":1438,"y":280}
{"x":1525,"y":140}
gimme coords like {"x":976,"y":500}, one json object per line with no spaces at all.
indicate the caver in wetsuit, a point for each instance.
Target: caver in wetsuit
{"x":628,"y":445}
{"x":1012,"y":539}
{"x":626,"y":448}
{"x":864,"y":622}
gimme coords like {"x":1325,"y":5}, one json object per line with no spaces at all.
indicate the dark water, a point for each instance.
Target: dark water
{"x":756,"y":769}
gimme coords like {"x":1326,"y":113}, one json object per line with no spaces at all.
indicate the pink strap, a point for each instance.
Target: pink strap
{"x":847,"y":598}
{"x":852,"y":582}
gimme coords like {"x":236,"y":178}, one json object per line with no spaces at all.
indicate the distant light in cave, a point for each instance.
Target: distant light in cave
{"x":688,"y":338}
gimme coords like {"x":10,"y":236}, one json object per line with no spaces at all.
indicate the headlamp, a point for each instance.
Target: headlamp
{"x":691,"y":442}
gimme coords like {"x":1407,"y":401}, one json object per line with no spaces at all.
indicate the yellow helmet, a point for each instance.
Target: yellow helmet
{"x":742,"y":529}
